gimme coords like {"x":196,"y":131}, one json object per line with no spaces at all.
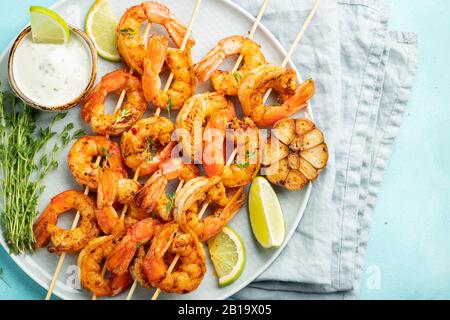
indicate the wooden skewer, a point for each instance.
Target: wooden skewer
{"x":296,"y":41}
{"x":200,"y":215}
{"x":252,"y":32}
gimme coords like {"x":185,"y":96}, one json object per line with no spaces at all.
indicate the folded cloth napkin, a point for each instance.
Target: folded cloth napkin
{"x":364,"y":76}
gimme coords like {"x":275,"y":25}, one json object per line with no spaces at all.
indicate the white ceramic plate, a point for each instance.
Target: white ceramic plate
{"x":216,"y":19}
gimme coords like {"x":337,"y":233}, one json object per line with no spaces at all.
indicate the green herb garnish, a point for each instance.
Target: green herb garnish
{"x":169,"y":106}
{"x":243,"y":165}
{"x":106,"y":154}
{"x":237,"y":76}
{"x":124,"y":113}
{"x":23,"y":176}
{"x":138,"y":245}
{"x":171,"y":203}
{"x":128,"y":31}
{"x":250,"y":154}
{"x":150,"y":147}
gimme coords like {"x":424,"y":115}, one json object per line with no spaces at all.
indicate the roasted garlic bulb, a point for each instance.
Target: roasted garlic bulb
{"x":295,"y":154}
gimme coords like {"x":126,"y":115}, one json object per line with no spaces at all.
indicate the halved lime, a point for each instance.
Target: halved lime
{"x":265,"y":212}
{"x":47,"y":26}
{"x":228,"y":256}
{"x":101,"y":25}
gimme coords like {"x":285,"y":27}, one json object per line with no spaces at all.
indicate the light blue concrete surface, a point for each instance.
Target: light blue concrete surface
{"x":409,"y":249}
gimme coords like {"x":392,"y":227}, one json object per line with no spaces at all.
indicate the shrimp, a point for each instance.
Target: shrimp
{"x":193,"y":116}
{"x":247,"y":162}
{"x":129,"y":40}
{"x":82,"y":157}
{"x":45,"y":227}
{"x":147,"y":144}
{"x":124,"y":117}
{"x":179,"y":62}
{"x":90,"y":270}
{"x":197,"y":190}
{"x":224,"y":81}
{"x":137,"y":268}
{"x":191,"y":268}
{"x":137,"y":235}
{"x":114,"y":187}
{"x":283,"y":81}
{"x":153,"y":197}
{"x":213,"y":224}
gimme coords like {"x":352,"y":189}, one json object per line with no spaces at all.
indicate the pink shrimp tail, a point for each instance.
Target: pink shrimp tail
{"x":294,"y":104}
{"x":120,"y":283}
{"x":209,"y":64}
{"x":214,"y":152}
{"x":120,"y":258}
{"x":107,"y":219}
{"x":153,"y":63}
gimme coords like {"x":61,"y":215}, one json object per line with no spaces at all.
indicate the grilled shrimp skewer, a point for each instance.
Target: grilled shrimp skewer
{"x":236,"y":66}
{"x":166,"y":88}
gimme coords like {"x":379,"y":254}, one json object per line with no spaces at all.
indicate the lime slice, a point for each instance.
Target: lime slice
{"x":101,"y":25}
{"x":47,"y":26}
{"x":266,"y":216}
{"x":228,"y":256}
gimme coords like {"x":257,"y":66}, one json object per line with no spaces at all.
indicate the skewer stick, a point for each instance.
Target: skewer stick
{"x":63,"y":255}
{"x":252,"y":32}
{"x":200,"y":215}
{"x":296,"y":41}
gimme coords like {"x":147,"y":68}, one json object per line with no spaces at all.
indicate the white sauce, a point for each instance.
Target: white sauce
{"x":52,"y":74}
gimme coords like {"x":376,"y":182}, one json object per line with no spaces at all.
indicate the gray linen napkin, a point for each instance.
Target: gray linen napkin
{"x":364,"y":76}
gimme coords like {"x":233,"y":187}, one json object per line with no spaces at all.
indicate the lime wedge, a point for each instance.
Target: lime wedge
{"x":101,"y":25}
{"x":47,"y":26}
{"x":265,"y":212}
{"x":227,"y":255}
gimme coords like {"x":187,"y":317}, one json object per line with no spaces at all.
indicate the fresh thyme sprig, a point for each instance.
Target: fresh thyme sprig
{"x":237,"y":76}
{"x":23,"y":176}
{"x":128,"y":32}
{"x":169,"y":106}
{"x":124,"y":113}
{"x":171,"y":203}
{"x":150,"y":147}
